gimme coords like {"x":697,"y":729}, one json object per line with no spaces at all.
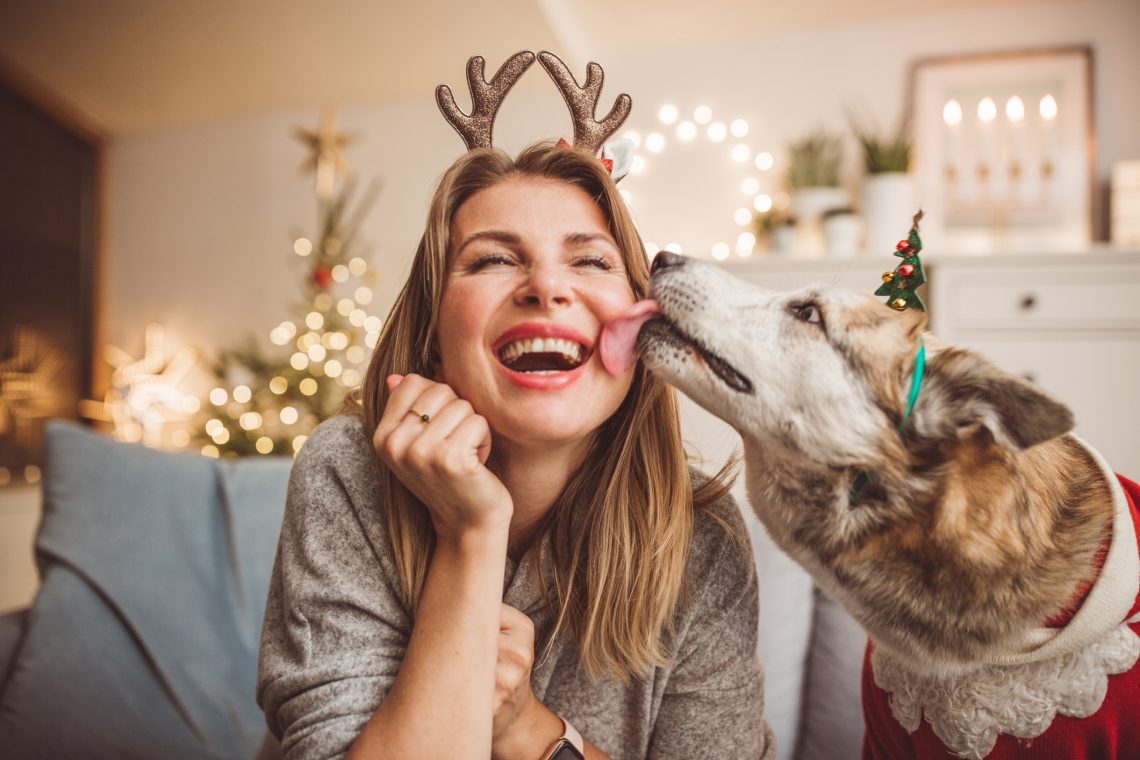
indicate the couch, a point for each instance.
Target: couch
{"x":142,"y":639}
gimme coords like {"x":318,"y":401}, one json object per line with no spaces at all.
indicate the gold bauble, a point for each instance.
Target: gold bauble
{"x":888,"y":276}
{"x":898,"y":304}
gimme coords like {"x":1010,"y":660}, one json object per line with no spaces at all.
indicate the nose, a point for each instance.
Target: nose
{"x":546,"y":286}
{"x":666,"y":260}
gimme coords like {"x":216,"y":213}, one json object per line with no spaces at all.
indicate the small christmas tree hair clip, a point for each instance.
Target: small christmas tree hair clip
{"x":901,"y":286}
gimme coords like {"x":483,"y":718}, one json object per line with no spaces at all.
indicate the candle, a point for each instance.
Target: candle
{"x":987,"y":112}
{"x":1048,"y":111}
{"x":952,"y":117}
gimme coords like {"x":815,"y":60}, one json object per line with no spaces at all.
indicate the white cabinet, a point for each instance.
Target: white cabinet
{"x":1069,"y":323}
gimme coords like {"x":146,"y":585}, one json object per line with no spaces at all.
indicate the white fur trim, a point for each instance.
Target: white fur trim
{"x":968,"y":711}
{"x":619,"y":151}
{"x":1109,"y":600}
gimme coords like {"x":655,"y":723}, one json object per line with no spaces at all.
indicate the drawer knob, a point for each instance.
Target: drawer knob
{"x":1027,"y":302}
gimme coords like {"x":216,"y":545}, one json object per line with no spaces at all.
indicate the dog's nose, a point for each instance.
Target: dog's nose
{"x":665,"y":260}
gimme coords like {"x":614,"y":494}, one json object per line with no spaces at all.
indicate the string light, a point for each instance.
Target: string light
{"x":717,"y":132}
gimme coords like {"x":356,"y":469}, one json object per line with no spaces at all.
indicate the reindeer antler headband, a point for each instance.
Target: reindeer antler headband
{"x":486,"y":97}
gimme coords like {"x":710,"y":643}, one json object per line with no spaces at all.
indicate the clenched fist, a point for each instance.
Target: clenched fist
{"x":442,"y":459}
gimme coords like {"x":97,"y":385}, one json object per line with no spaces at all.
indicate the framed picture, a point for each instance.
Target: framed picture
{"x":1004,"y":150}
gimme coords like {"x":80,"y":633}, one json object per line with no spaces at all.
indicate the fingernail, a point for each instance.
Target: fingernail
{"x":394,"y":380}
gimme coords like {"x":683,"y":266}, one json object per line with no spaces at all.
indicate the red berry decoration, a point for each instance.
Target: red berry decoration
{"x":322,"y":277}
{"x":906,"y":270}
{"x":902,"y":246}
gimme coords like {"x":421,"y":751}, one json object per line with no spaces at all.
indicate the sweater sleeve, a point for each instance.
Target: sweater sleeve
{"x":334,"y":632}
{"x":713,"y":702}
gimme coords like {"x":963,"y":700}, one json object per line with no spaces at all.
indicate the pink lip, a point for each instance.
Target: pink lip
{"x":554,"y":380}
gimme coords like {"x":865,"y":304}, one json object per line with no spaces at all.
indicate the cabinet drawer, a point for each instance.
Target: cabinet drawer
{"x":1096,"y":376}
{"x":1056,"y":298}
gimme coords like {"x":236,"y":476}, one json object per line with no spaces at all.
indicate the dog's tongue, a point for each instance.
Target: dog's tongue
{"x":620,"y":334}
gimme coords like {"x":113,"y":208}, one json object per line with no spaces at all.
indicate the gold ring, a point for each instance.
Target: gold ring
{"x":421,"y":415}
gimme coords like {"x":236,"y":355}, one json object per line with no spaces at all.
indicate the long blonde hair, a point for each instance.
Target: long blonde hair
{"x":621,"y":529}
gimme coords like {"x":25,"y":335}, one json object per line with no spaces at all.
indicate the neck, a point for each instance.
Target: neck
{"x":535,"y":478}
{"x":947,"y":542}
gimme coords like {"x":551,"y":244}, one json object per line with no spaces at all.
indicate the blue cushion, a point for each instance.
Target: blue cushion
{"x":142,"y":641}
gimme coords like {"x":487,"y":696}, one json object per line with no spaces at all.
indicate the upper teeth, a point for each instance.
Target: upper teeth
{"x":516,"y":348}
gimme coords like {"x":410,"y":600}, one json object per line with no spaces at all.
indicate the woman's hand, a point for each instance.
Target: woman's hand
{"x":442,"y":460}
{"x":522,"y":726}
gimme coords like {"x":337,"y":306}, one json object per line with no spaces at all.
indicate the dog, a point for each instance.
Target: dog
{"x":989,"y":553}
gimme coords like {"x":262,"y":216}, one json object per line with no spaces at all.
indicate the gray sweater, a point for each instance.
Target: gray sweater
{"x":335,"y":631}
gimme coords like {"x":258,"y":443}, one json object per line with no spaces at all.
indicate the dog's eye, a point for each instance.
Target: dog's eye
{"x":808,"y":312}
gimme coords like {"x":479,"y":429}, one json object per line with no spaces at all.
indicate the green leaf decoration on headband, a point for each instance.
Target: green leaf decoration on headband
{"x":901,"y":286}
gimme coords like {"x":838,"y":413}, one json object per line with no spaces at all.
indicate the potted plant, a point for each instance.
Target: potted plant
{"x":813,"y":181}
{"x":888,"y":189}
{"x":843,"y":230}
{"x":775,"y":230}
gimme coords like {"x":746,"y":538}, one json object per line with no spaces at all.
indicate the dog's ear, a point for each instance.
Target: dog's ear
{"x":962,"y":391}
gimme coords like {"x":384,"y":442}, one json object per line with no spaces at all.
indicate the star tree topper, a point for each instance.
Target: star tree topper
{"x":326,"y":159}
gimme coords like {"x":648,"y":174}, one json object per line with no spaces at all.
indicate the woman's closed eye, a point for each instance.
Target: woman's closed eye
{"x":490,"y":260}
{"x":599,"y":262}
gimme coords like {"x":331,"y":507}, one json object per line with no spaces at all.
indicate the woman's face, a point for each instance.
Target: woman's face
{"x":533,"y":275}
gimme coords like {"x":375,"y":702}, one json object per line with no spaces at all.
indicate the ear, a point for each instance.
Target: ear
{"x":962,"y":390}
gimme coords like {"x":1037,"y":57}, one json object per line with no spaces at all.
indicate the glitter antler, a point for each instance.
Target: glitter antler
{"x":486,"y":97}
{"x":589,"y":134}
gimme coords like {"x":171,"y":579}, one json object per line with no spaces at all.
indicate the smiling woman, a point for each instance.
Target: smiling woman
{"x":500,"y":550}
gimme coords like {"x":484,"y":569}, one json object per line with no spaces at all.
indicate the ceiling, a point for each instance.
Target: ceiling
{"x":130,"y":66}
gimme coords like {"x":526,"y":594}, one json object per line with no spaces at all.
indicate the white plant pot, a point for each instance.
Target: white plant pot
{"x":808,"y":205}
{"x":888,"y":209}
{"x":844,"y":235}
{"x":784,"y":239}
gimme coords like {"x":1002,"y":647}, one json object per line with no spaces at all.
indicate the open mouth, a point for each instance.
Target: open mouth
{"x":664,"y":330}
{"x":543,"y":356}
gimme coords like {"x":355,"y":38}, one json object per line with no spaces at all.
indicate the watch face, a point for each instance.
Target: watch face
{"x":566,"y":751}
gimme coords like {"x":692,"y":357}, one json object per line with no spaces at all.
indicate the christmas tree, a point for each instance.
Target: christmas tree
{"x":901,"y":286}
{"x":269,"y":404}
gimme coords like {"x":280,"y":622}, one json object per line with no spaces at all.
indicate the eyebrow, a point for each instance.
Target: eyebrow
{"x":510,"y":238}
{"x":499,"y":236}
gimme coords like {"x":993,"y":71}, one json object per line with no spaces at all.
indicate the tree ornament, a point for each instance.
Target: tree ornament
{"x":901,"y":285}
{"x":322,"y":277}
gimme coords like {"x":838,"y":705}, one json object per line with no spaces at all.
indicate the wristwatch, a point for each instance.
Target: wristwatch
{"x":569,"y":746}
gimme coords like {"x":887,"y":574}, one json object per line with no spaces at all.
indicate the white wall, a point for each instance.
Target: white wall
{"x":201,"y":219}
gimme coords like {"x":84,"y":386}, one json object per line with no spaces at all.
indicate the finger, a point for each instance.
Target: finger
{"x":400,"y":400}
{"x":431,"y":399}
{"x":395,"y":410}
{"x":393,"y":381}
{"x":444,"y":422}
{"x":512,"y":620}
{"x":472,"y":434}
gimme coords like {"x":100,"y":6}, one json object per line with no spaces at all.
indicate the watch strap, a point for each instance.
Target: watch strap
{"x":570,"y":738}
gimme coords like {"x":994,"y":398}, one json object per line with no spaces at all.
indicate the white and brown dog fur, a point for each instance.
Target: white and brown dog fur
{"x":982,"y":516}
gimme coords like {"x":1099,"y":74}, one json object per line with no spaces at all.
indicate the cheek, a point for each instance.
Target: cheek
{"x":610,"y":301}
{"x":462,"y":318}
